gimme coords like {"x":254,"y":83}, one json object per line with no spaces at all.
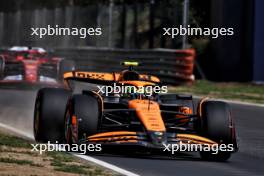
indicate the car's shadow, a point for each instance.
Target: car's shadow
{"x":190,"y":156}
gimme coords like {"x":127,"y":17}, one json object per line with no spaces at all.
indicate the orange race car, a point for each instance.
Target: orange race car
{"x":133,"y":110}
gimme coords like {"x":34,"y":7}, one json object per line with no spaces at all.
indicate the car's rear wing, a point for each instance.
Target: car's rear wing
{"x":102,"y":78}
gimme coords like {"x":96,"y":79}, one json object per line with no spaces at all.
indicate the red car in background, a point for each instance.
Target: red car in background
{"x":32,"y":65}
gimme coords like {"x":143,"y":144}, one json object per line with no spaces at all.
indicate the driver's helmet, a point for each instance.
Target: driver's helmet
{"x":141,"y":93}
{"x":128,"y":75}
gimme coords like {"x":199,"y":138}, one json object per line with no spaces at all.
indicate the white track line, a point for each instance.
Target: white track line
{"x":232,"y":101}
{"x":85,"y":157}
{"x":17,"y":131}
{"x":107,"y":165}
{"x":242,"y":103}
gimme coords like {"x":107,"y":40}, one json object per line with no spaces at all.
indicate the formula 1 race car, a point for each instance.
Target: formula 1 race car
{"x":133,"y":119}
{"x":32,"y":65}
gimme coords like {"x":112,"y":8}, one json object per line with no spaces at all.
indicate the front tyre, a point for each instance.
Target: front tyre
{"x":50,"y":107}
{"x":82,"y":117}
{"x":217,"y":124}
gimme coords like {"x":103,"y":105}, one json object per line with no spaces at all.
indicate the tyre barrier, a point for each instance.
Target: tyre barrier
{"x":173,"y":67}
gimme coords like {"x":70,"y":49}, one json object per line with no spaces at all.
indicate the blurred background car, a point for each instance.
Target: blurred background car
{"x":32,"y":65}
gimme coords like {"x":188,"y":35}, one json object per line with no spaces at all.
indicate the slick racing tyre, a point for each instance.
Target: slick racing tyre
{"x":82,"y":117}
{"x":2,"y":67}
{"x":65,"y":66}
{"x":50,"y":107}
{"x":217,"y":125}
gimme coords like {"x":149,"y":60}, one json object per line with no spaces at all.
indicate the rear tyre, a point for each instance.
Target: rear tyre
{"x":86,"y":111}
{"x":50,"y":107}
{"x":65,"y":66}
{"x":217,"y":124}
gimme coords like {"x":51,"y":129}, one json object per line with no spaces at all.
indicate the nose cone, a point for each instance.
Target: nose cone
{"x":158,"y":138}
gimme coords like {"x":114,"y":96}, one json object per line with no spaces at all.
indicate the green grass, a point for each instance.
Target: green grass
{"x":80,"y":170}
{"x":60,"y":161}
{"x":20,"y":162}
{"x":13,"y":141}
{"x":246,"y":92}
{"x":61,"y":157}
{"x":12,"y":160}
{"x":73,"y":169}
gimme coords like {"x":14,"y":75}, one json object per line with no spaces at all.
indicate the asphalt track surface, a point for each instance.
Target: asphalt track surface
{"x":16,"y":110}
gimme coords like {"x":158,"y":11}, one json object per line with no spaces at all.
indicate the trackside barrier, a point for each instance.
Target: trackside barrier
{"x":173,"y":67}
